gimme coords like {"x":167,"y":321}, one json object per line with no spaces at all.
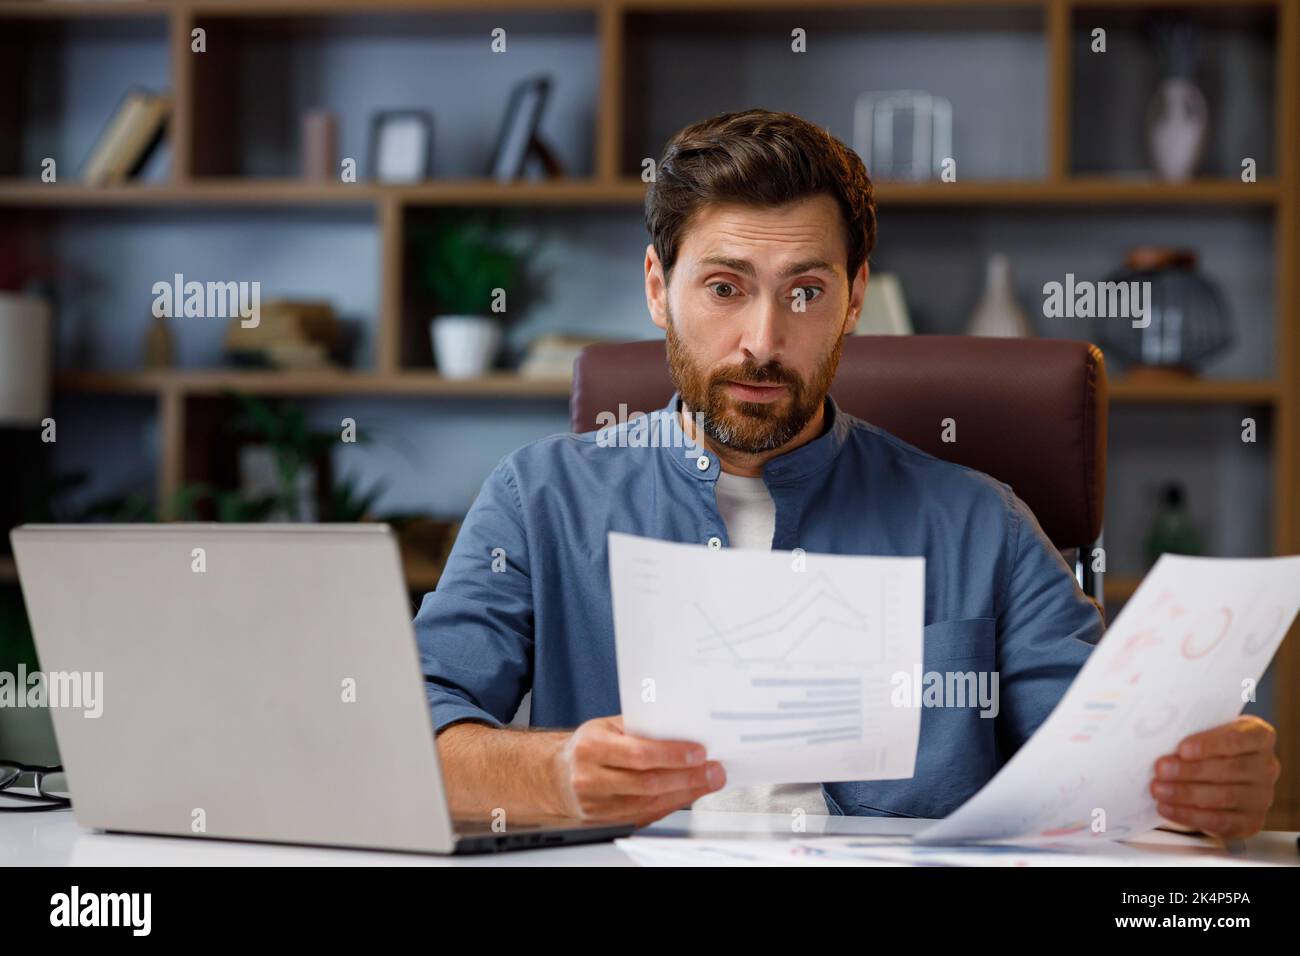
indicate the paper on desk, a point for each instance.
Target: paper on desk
{"x":778,"y":663}
{"x":1180,"y":658}
{"x":677,"y":851}
{"x":899,"y":851}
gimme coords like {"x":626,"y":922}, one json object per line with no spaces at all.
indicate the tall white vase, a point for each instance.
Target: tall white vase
{"x":998,"y":314}
{"x":1177,"y":120}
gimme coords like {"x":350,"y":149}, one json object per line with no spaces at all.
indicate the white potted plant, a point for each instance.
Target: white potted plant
{"x":468,"y":271}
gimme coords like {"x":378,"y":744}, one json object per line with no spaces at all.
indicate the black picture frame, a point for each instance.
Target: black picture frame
{"x":518,"y":134}
{"x":377,"y":124}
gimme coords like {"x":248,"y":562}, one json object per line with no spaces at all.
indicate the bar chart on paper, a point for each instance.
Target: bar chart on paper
{"x":780,"y":664}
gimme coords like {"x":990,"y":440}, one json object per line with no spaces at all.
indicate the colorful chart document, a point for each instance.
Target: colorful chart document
{"x":1184,"y":655}
{"x":779,"y":663}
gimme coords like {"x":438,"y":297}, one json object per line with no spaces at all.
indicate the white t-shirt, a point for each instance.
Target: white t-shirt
{"x":749,"y":513}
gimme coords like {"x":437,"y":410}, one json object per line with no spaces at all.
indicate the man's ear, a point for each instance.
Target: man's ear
{"x":656,"y":288}
{"x":857,"y":295}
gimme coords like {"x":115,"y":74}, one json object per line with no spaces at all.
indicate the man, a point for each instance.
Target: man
{"x":760,"y":226}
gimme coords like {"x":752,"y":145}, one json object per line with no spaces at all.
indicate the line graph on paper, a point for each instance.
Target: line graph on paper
{"x":813,"y":624}
{"x":810,"y":658}
{"x":782,"y":670}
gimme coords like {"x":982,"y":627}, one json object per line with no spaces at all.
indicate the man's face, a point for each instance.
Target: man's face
{"x":756,"y":311}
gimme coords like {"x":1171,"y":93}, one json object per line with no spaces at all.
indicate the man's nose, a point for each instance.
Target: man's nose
{"x":764,"y":330}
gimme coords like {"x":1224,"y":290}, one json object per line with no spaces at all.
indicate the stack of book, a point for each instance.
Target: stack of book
{"x":289,"y":334}
{"x":552,"y":356}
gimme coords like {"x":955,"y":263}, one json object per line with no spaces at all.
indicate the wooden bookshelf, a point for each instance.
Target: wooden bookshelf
{"x":1119,"y":588}
{"x":1194,"y":391}
{"x":71,"y":9}
{"x":414,"y":384}
{"x":510,"y":385}
{"x":1276,"y":195}
{"x":421,"y":573}
{"x":1079,"y":191}
{"x":625,"y":192}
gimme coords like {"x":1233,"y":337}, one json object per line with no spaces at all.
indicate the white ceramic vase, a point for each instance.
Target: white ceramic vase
{"x":1177,"y":121}
{"x":464,"y":346}
{"x":998,"y":314}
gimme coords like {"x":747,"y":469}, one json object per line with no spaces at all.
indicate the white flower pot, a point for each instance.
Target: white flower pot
{"x":25,"y":359}
{"x":464,"y":346}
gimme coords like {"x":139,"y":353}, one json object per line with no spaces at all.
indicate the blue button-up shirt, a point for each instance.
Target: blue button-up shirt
{"x":524,"y":600}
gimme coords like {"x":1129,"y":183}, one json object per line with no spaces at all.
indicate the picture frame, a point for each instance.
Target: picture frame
{"x":518,"y":136}
{"x":401,"y":146}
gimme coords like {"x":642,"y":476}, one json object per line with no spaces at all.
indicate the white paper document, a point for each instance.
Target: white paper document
{"x":1183,"y":656}
{"x":779,"y":663}
{"x":900,"y":851}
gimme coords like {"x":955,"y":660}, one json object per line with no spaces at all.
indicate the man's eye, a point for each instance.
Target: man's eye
{"x":729,"y":293}
{"x":810,"y":292}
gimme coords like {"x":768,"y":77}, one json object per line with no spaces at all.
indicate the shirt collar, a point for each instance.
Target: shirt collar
{"x":791,"y":467}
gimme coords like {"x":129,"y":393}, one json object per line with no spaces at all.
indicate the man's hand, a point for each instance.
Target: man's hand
{"x":1220,"y":781}
{"x":608,"y":775}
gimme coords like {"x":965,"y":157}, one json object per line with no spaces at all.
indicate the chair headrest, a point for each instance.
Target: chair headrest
{"x":1029,"y":412}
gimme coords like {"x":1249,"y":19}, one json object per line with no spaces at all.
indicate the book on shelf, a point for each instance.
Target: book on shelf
{"x":132,"y":134}
{"x":553,"y":355}
{"x":289,"y":334}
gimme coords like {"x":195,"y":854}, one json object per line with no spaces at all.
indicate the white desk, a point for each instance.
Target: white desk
{"x":54,"y":839}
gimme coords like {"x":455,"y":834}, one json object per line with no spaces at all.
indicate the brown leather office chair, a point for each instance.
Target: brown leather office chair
{"x":1029,"y":412}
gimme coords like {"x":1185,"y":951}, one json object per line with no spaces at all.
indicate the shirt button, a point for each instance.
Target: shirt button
{"x":702,"y":463}
{"x":715,"y":543}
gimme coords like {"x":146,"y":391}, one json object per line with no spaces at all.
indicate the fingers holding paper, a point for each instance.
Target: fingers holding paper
{"x":608,"y":774}
{"x":1221,"y":780}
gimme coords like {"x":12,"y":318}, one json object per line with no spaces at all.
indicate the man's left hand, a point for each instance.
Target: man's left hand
{"x":1221,"y":780}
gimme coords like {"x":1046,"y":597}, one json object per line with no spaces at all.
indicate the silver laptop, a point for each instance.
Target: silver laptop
{"x":259,"y":682}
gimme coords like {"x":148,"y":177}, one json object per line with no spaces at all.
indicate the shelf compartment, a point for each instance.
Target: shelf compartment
{"x":1236,"y":71}
{"x":990,"y":61}
{"x":261,"y":73}
{"x":627,"y":191}
{"x":219,"y":381}
{"x":64,"y":79}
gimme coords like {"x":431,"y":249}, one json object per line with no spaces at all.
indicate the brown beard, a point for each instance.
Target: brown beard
{"x":750,"y":427}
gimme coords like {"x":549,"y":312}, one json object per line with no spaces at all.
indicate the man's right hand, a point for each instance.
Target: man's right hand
{"x":605,"y":774}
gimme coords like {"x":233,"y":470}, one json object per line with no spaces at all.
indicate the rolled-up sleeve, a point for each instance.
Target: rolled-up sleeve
{"x":475,"y":631}
{"x":1047,"y":627}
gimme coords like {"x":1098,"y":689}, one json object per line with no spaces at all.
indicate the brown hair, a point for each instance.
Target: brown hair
{"x":760,"y":158}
